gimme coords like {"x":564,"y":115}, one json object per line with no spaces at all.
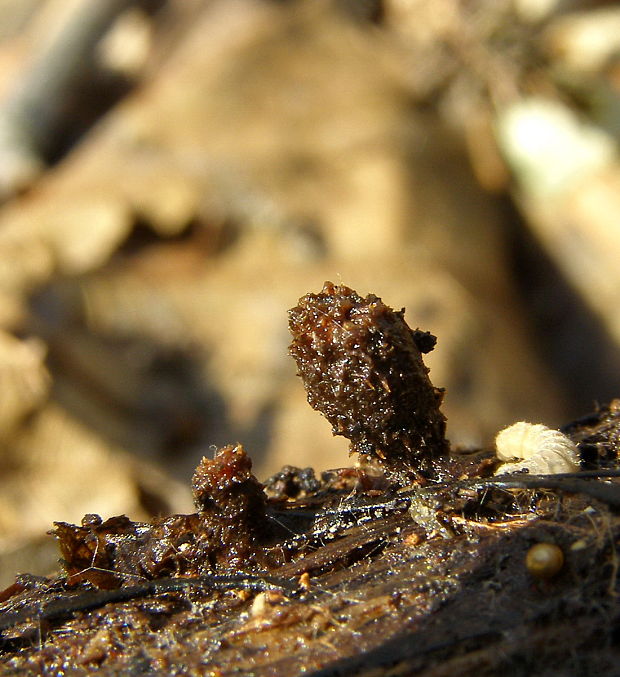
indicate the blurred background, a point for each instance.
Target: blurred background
{"x":175,"y":174}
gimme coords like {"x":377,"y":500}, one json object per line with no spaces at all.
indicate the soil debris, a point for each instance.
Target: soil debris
{"x":598,"y":436}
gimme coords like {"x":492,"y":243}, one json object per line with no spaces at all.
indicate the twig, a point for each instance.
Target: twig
{"x":66,"y":606}
{"x":30,"y":114}
{"x":572,"y":483}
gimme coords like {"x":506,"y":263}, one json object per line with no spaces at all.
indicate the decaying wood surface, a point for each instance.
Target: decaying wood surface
{"x":385,"y":595}
{"x":460,"y":571}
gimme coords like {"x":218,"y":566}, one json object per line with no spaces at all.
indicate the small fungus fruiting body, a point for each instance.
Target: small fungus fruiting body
{"x":225,"y":534}
{"x":226,"y":483}
{"x":537,"y":449}
{"x":362,"y":368}
{"x":544,"y":560}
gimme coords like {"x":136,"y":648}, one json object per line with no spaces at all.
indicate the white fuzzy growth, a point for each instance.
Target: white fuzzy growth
{"x":535,"y":448}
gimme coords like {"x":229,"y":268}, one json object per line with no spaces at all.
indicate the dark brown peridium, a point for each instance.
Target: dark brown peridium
{"x":226,"y":535}
{"x":362,"y":368}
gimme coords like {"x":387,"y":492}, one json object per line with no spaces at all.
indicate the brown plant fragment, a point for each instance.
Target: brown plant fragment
{"x":227,"y":533}
{"x":362,"y":368}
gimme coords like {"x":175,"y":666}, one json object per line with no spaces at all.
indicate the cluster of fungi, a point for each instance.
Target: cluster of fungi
{"x":362,"y":367}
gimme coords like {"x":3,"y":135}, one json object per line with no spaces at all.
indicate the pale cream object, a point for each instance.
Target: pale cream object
{"x":568,"y":175}
{"x":535,"y":448}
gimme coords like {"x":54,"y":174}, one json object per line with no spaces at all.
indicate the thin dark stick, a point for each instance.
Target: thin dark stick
{"x":68,"y":605}
{"x":570,"y":483}
{"x":330,"y":522}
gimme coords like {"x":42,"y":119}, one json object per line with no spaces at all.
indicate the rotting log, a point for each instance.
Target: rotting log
{"x":402,"y":565}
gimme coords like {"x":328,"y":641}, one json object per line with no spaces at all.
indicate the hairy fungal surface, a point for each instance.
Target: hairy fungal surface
{"x":362,"y":368}
{"x":537,"y":449}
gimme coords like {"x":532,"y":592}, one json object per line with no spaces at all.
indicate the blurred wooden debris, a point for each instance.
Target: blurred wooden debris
{"x":29,"y":115}
{"x":585,"y":42}
{"x":25,"y":380}
{"x":568,"y":174}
